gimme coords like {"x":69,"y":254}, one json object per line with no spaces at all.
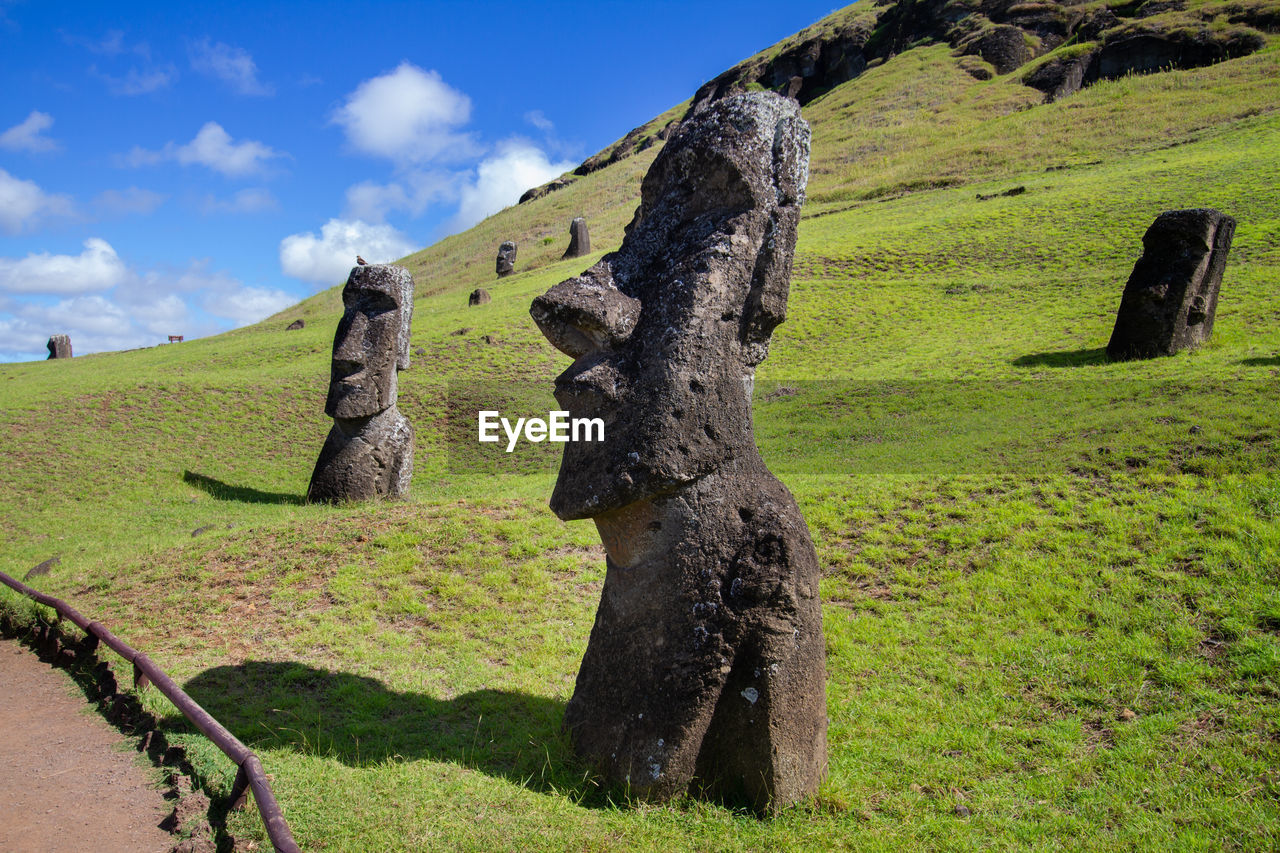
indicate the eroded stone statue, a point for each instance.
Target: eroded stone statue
{"x":369,"y":451}
{"x":705,"y":670}
{"x":59,"y":346}
{"x":1171,"y":296}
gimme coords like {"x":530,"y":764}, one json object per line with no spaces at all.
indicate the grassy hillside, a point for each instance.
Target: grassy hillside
{"x":1051,"y":597}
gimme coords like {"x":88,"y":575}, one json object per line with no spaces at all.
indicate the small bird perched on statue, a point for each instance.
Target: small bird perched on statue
{"x":361,"y":261}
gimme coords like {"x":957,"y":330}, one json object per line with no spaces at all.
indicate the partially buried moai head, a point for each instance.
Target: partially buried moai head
{"x":667,"y":331}
{"x":372,"y":341}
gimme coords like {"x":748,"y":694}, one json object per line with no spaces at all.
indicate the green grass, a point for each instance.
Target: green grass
{"x":1050,"y":582}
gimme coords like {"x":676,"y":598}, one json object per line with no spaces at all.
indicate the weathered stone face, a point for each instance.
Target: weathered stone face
{"x":1171,"y":297}
{"x":506,"y":259}
{"x":667,"y":331}
{"x":579,"y":239}
{"x":59,"y":346}
{"x":369,"y":451}
{"x":372,"y":341}
{"x":705,"y":671}
{"x":479,"y":296}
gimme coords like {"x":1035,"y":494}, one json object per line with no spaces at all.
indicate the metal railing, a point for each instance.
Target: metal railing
{"x":249,"y":776}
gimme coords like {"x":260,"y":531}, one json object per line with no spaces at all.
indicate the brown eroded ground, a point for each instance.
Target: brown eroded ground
{"x":65,"y":784}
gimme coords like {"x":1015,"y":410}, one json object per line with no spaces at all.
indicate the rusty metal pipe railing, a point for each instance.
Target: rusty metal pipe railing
{"x":249,"y":774}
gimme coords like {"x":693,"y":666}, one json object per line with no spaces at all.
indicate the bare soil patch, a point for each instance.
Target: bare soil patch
{"x":66,"y":782}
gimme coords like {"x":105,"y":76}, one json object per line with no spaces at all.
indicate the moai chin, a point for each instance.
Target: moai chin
{"x":705,"y":670}
{"x":1171,"y":296}
{"x":369,"y":451}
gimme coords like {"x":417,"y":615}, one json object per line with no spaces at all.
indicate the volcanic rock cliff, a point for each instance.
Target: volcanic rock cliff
{"x":1056,"y":46}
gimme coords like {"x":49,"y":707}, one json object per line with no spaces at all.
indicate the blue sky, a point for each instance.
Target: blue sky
{"x":180,"y":168}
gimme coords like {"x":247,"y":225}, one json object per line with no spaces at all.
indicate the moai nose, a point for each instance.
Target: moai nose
{"x":586,"y":313}
{"x":350,"y":346}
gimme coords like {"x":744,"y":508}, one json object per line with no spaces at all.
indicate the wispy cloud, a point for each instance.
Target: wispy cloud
{"x":114,"y":306}
{"x":127,"y":201}
{"x":213,"y":148}
{"x":136,"y":82}
{"x":23,"y":204}
{"x":232,"y":65}
{"x":252,"y":200}
{"x":538,"y":120}
{"x":28,"y":136}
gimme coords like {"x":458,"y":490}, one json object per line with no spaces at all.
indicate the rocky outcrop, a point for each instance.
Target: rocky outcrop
{"x":705,"y":669}
{"x":295,"y":325}
{"x":1171,"y":297}
{"x":59,"y":346}
{"x":1135,"y":50}
{"x":545,"y":189}
{"x":369,"y":450}
{"x":506,"y":264}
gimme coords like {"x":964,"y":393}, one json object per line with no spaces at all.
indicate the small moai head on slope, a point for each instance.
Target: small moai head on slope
{"x":667,"y":331}
{"x":372,"y":341}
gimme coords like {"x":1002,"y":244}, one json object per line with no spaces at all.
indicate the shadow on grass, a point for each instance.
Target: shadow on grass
{"x":1065,"y":358}
{"x":359,"y":721}
{"x":225,"y":492}
{"x":1261,"y":361}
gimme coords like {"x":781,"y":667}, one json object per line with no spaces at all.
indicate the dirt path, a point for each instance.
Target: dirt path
{"x":65,"y":785}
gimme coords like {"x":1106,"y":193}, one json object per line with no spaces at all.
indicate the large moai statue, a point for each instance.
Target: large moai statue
{"x":705,"y":670}
{"x":579,"y":239}
{"x":1172,"y":294}
{"x":59,"y":346}
{"x":369,"y":451}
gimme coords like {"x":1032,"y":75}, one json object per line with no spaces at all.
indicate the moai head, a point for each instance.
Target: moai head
{"x":667,"y":331}
{"x":372,"y":341}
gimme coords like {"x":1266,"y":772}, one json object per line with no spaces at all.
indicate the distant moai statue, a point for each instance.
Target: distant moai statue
{"x":59,"y":346}
{"x":506,"y":259}
{"x":479,"y":296}
{"x":579,"y":239}
{"x":1171,"y":297}
{"x":369,"y":451}
{"x":706,"y":670}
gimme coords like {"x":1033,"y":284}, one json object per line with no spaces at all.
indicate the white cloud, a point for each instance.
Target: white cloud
{"x":230,"y":64}
{"x":538,"y":120}
{"x":327,"y":259}
{"x":501,"y":178}
{"x":413,"y":193}
{"x":248,"y":304}
{"x":133,"y":309}
{"x":27,"y":136}
{"x":128,"y":201}
{"x":136,"y":82}
{"x":211,"y":147}
{"x":98,"y":267}
{"x":252,"y":200}
{"x":23,"y":204}
{"x":408,"y":116}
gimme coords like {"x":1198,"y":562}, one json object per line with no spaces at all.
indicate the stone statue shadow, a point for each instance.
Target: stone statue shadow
{"x":1064,"y":358}
{"x":1261,"y":361}
{"x":227,"y":492}
{"x":360,"y":722}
